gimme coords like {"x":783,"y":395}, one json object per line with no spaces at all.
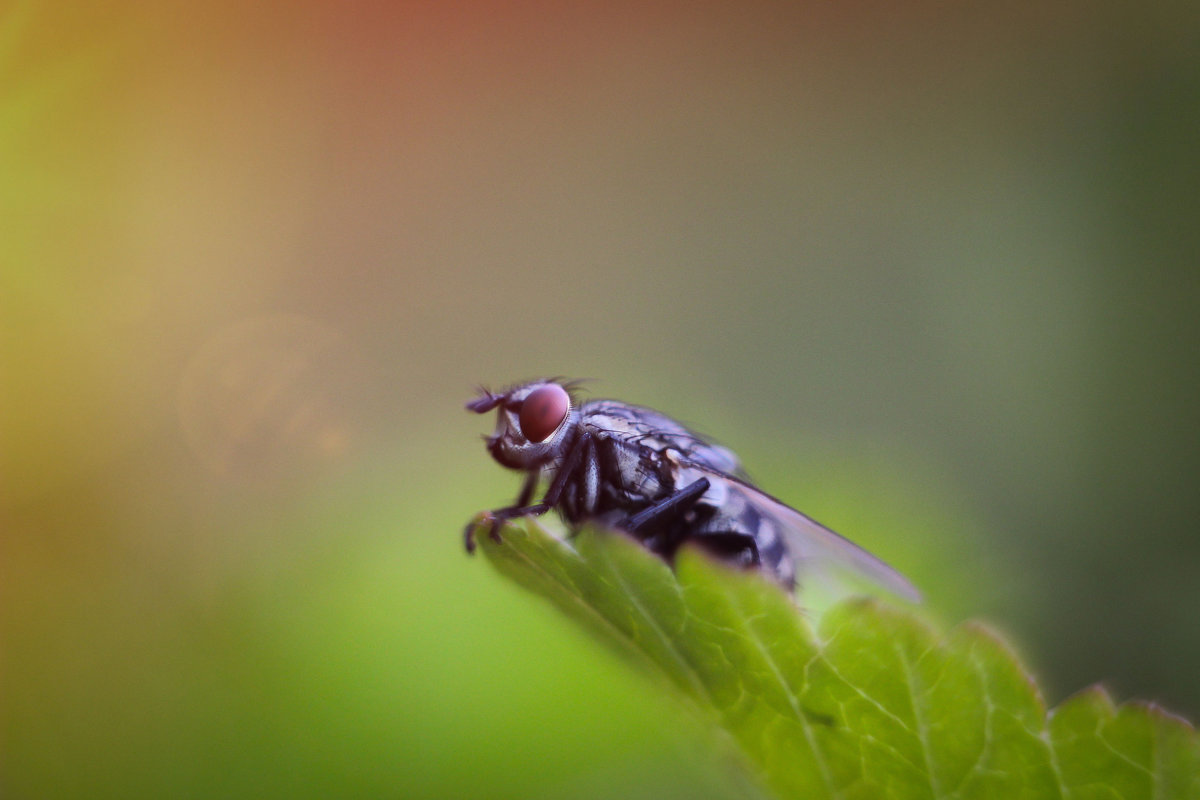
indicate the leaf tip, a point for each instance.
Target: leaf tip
{"x":1161,"y":714}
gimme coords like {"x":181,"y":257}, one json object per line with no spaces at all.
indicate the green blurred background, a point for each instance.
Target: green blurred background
{"x":931,"y":269}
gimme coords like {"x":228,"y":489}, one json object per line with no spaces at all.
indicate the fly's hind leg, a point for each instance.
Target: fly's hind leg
{"x":659,"y":526}
{"x":669,"y":508}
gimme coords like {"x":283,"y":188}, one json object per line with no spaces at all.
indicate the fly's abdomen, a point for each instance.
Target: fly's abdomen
{"x":773,"y":553}
{"x":739,"y":534}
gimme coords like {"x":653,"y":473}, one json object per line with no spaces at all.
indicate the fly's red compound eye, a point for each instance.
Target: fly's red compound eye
{"x":543,"y":411}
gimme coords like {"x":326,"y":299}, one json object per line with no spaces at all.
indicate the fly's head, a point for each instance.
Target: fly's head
{"x":533,"y":422}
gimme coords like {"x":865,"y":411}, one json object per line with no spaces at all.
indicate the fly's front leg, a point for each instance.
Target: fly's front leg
{"x":522,"y":507}
{"x":502,"y":515}
{"x":527,"y":490}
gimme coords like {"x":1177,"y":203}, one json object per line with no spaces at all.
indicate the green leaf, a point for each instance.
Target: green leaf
{"x":874,"y":704}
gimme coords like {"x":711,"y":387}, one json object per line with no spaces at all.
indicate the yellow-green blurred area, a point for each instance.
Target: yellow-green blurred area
{"x":932,"y":270}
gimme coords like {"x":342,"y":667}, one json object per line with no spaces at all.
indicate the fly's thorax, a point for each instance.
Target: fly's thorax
{"x":631,"y":475}
{"x":684,"y":473}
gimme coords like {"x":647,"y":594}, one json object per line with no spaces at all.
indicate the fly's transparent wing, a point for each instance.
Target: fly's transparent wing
{"x":817,"y":551}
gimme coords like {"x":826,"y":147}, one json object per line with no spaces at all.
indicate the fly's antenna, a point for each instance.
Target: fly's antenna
{"x":485,"y":401}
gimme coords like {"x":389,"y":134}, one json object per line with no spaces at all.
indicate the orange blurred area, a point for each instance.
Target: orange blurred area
{"x":929,"y":270}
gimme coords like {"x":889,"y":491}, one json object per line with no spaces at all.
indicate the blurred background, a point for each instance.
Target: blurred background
{"x":930,"y":269}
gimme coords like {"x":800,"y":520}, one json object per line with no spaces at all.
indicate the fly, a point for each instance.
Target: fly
{"x":635,"y":469}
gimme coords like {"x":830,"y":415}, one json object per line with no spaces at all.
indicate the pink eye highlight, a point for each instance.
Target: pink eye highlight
{"x":543,"y":411}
